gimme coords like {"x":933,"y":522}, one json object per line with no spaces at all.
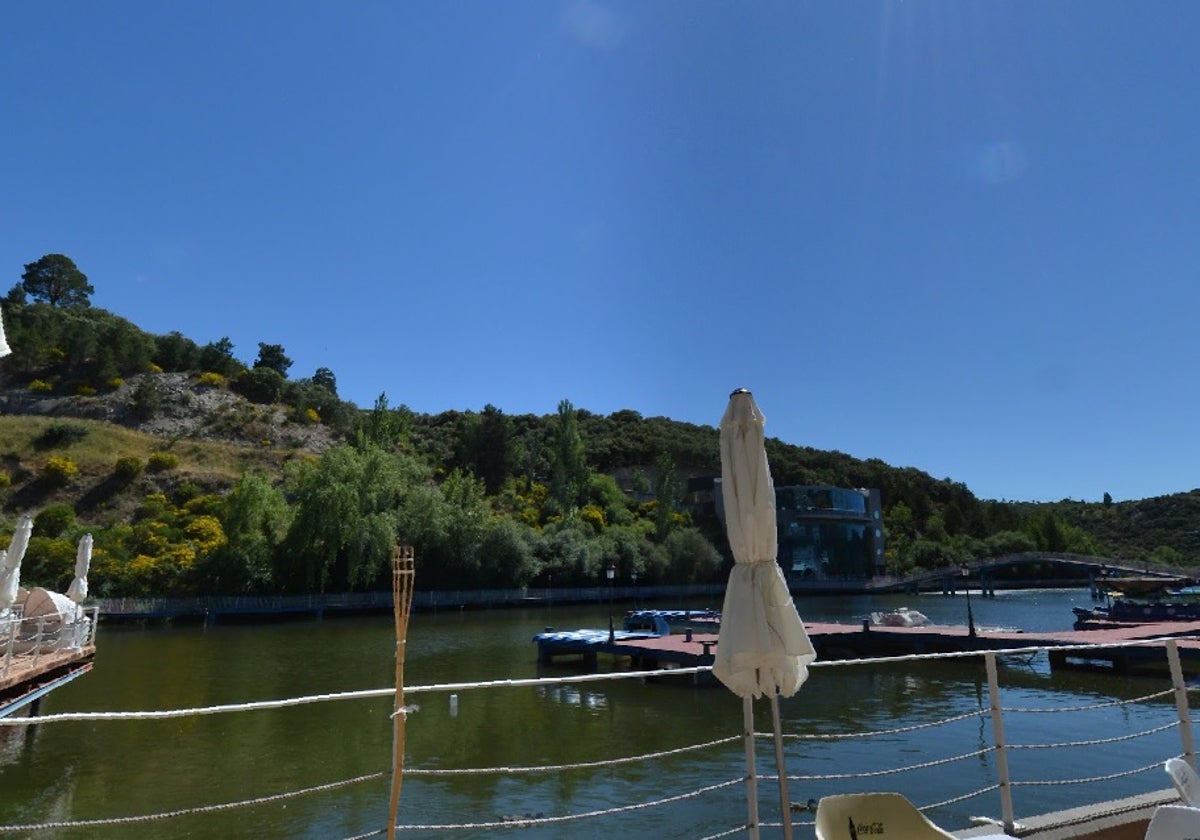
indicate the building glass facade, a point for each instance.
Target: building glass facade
{"x":825,"y":533}
{"x":829,"y":532}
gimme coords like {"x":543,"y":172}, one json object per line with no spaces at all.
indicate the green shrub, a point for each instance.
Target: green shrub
{"x":147,"y":399}
{"x":162,"y":461}
{"x":59,"y":470}
{"x":114,"y":383}
{"x":40,"y":386}
{"x":59,"y":435}
{"x":5,"y":480}
{"x":127,"y":468}
{"x":53,"y":520}
{"x":85,"y":391}
{"x":262,"y":385}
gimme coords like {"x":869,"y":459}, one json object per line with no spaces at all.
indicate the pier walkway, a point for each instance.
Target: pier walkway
{"x":836,"y":642}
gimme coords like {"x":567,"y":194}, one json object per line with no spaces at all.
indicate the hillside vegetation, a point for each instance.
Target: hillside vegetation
{"x":198,"y":473}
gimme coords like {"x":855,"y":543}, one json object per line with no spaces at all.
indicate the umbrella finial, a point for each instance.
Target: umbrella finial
{"x":737,"y":391}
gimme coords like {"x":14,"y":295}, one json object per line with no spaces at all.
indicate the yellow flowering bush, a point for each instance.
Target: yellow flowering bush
{"x":162,"y":461}
{"x":59,"y":470}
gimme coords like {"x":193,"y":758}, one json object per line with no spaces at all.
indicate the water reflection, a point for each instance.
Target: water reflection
{"x":97,"y":770}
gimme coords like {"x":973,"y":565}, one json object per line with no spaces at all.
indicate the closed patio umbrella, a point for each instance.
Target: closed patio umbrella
{"x":20,"y":540}
{"x":763,"y":648}
{"x":83,"y":559}
{"x":10,"y":563}
{"x":4,"y":348}
{"x":10,"y":582}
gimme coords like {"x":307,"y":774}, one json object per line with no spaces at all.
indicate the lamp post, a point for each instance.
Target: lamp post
{"x":633,"y":575}
{"x":612,"y":574}
{"x":966,"y":573}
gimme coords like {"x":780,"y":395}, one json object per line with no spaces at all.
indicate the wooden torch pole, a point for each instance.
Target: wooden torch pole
{"x":402,"y":594}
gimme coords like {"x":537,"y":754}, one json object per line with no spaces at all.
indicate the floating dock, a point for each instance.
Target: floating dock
{"x":644,"y":650}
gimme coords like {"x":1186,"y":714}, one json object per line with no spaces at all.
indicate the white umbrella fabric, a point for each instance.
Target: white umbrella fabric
{"x":763,"y":647}
{"x":10,"y":582}
{"x":20,"y":540}
{"x":4,"y":348}
{"x":10,"y":563}
{"x":83,"y":560}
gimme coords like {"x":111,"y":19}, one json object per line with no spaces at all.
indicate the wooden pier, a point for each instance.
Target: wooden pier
{"x":835,"y":642}
{"x":27,"y":678}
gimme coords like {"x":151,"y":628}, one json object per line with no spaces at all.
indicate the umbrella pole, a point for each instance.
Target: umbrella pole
{"x":785,"y":801}
{"x":751,"y":777}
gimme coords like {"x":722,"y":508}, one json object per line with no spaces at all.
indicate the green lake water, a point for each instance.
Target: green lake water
{"x":104,"y":770}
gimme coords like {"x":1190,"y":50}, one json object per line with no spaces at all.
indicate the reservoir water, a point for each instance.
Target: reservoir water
{"x":106,"y":770}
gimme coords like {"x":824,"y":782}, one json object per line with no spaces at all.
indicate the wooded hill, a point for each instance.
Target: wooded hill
{"x":199,"y":473}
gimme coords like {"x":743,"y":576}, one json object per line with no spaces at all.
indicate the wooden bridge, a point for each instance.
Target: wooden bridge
{"x":983,"y":573}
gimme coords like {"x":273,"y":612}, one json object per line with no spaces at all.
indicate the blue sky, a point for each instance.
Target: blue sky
{"x":958,"y":236}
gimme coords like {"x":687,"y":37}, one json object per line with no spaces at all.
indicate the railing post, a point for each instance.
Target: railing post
{"x":1181,"y":703}
{"x":1006,"y":803}
{"x":12,"y":644}
{"x":37,"y":640}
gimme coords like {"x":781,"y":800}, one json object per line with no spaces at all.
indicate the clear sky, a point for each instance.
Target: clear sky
{"x":958,"y":236}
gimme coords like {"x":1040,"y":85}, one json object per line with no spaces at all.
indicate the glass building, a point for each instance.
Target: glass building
{"x":826,"y":533}
{"x":829,"y":532}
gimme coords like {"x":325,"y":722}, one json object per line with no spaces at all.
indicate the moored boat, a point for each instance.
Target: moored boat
{"x":900,"y":617}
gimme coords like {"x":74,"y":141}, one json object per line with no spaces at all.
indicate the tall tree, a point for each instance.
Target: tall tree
{"x":324,"y":378}
{"x":272,"y":356}
{"x":667,"y":493}
{"x":568,"y":459}
{"x":384,"y":427}
{"x":344,"y":524}
{"x":217,"y":357}
{"x":54,"y":279}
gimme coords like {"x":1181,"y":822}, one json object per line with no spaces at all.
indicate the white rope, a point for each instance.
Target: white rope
{"x":584,"y":765}
{"x":1093,"y":707}
{"x":526,"y":822}
{"x":517,"y":683}
{"x":729,"y":832}
{"x":891,"y":770}
{"x":1096,"y":742}
{"x":1155,"y":766}
{"x":337,"y":696}
{"x":873,"y":732}
{"x":955,"y":800}
{"x":184,"y":812}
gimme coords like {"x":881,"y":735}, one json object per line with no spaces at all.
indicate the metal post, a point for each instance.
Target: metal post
{"x":966,"y":573}
{"x":612,"y":574}
{"x":1181,"y":703}
{"x":12,"y":643}
{"x":38,"y":639}
{"x":751,"y":772}
{"x":1006,"y":803}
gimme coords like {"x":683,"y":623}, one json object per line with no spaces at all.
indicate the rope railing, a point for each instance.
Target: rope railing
{"x":1095,"y":742}
{"x":431,"y":775}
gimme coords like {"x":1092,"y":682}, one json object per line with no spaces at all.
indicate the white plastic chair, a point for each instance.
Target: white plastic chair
{"x":862,"y":816}
{"x":1185,"y":779}
{"x":1174,"y":822}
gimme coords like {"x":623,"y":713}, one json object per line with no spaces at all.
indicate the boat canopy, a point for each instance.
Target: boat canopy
{"x":52,"y":605}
